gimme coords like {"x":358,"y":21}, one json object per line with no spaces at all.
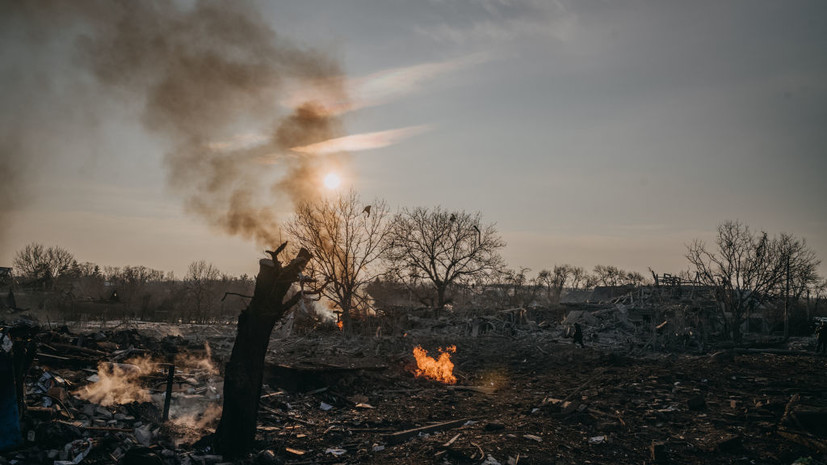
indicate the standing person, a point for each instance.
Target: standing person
{"x":821,"y":332}
{"x":578,"y":334}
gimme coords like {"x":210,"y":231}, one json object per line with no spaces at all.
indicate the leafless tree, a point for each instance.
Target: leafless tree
{"x":633,"y":278}
{"x":748,"y":269}
{"x":131,"y":286}
{"x":36,"y":263}
{"x":559,"y":278}
{"x":443,"y":247}
{"x":346,"y":239}
{"x":200,"y":283}
{"x":519,"y":290}
{"x":802,"y":263}
{"x":609,"y":275}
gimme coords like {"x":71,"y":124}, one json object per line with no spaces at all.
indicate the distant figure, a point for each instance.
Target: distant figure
{"x":821,"y":345}
{"x":578,"y":334}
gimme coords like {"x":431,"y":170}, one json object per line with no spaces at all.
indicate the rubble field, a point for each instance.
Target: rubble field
{"x":531,"y":397}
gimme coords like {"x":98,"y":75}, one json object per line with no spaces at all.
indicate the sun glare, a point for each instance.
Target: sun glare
{"x":332,"y":181}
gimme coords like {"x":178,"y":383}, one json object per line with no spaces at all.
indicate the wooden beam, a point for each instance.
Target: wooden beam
{"x":402,"y":436}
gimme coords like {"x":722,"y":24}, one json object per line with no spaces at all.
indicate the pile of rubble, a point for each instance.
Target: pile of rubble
{"x":524,"y":394}
{"x":95,"y":397}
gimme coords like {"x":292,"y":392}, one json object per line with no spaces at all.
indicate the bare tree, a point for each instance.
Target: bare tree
{"x":559,"y":278}
{"x":748,"y":269}
{"x":633,"y":278}
{"x":132,"y":285}
{"x":43,"y":265}
{"x":520,"y":290}
{"x":802,"y":263}
{"x":609,"y":275}
{"x":346,"y":238}
{"x":443,"y":247}
{"x":200,"y":283}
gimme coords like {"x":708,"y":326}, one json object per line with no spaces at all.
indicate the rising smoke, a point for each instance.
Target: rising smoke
{"x":201,"y":75}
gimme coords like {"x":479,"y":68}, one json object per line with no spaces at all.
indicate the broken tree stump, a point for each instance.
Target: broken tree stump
{"x":243,"y":373}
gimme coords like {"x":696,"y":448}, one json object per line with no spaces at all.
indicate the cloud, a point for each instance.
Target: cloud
{"x":388,"y":85}
{"x":365,"y":141}
{"x":502,"y":21}
{"x":382,"y":87}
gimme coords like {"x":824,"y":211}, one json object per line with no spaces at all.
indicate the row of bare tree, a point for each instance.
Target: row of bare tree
{"x":354,"y":245}
{"x":436,"y":255}
{"x":133,"y":291}
{"x":749,"y":269}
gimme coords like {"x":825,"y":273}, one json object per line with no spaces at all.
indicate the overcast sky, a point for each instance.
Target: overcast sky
{"x":590,"y":132}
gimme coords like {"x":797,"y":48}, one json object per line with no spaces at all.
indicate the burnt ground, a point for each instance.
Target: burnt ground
{"x":695,"y":408}
{"x":530,"y":398}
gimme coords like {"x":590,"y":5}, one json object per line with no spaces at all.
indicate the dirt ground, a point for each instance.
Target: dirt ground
{"x":528,"y":398}
{"x":695,"y":408}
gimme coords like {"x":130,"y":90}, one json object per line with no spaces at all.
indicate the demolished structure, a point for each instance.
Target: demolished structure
{"x":512,"y":389}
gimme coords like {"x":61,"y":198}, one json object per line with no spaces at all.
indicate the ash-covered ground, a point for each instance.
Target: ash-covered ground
{"x":523,"y":395}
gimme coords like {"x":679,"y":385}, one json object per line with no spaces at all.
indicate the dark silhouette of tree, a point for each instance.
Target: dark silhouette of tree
{"x":201,"y":285}
{"x":442,"y":248}
{"x":748,"y":269}
{"x":40,"y":265}
{"x":609,"y":275}
{"x":559,"y":278}
{"x":244,"y":372}
{"x":346,"y":239}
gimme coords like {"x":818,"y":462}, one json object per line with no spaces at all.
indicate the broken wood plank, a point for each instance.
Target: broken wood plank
{"x":803,"y":438}
{"x":453,"y":440}
{"x":95,"y":428}
{"x":772,"y":351}
{"x":71,"y":348}
{"x":402,"y":436}
{"x":294,"y":451}
{"x":75,"y":362}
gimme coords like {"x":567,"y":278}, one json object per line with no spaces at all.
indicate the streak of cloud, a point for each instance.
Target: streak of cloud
{"x":364,"y":141}
{"x":494,"y":21}
{"x":382,"y":87}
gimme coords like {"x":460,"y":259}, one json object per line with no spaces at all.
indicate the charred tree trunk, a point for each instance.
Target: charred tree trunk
{"x":243,"y":374}
{"x":440,"y":295}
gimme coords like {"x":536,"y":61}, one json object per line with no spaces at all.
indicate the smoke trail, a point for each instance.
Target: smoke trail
{"x":202,"y":74}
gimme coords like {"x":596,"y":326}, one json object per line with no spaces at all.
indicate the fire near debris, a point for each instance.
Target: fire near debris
{"x":439,"y":369}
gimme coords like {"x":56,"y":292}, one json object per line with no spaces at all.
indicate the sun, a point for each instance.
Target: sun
{"x":332,"y":181}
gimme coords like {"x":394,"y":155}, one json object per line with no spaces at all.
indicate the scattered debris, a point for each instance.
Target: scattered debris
{"x":330,"y":400}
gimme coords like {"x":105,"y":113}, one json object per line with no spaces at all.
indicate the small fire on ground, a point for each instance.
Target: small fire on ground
{"x":341,"y":325}
{"x":439,"y":369}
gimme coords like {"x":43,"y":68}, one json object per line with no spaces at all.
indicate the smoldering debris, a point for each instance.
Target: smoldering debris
{"x":118,"y":383}
{"x":523,"y":394}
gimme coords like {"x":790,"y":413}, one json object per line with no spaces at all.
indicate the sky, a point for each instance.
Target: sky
{"x":590,"y":132}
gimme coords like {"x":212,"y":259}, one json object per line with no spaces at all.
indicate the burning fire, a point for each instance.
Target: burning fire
{"x":341,"y":325}
{"x":440,"y":369}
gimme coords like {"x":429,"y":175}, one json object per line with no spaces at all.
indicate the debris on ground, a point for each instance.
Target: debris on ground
{"x":523,"y":394}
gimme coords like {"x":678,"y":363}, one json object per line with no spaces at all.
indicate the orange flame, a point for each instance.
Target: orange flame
{"x":440,"y":369}
{"x":341,"y":325}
